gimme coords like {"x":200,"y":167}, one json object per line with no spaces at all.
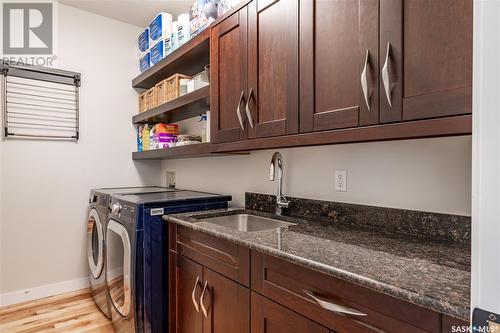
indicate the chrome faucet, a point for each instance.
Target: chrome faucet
{"x":281,"y":201}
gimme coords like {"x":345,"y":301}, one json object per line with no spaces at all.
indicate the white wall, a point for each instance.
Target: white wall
{"x":46,"y":184}
{"x":486,"y":157}
{"x":429,"y":174}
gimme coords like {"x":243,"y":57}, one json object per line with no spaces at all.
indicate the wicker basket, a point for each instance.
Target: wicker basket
{"x":160,"y":92}
{"x":172,"y":86}
{"x":150,"y":98}
{"x":142,"y":102}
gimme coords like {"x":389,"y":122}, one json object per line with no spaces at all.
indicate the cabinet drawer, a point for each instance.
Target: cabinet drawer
{"x":221,"y":256}
{"x":285,"y":283}
{"x":270,"y":317}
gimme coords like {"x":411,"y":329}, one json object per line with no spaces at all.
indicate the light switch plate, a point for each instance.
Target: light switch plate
{"x":341,"y":180}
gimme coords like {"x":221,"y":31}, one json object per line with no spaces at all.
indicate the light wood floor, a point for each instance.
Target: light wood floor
{"x":74,"y":312}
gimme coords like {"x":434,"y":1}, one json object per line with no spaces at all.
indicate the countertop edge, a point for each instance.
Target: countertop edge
{"x":458,"y":311}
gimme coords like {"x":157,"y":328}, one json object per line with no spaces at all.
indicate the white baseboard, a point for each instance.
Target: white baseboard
{"x":30,"y":294}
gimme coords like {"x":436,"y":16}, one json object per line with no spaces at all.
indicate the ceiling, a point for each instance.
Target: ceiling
{"x":135,"y":12}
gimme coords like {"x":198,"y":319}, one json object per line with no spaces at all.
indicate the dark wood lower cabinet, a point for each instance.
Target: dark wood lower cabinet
{"x":270,"y":317}
{"x":285,"y":283}
{"x":228,"y":305}
{"x":450,"y":325}
{"x":269,"y":296}
{"x":188,"y":279}
{"x":199,"y":290}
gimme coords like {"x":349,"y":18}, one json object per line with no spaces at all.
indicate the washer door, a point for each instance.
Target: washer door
{"x":118,"y":267}
{"x":95,"y":244}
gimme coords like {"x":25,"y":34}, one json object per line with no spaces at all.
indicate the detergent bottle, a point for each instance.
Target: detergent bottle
{"x":152,"y":137}
{"x":145,"y":138}
{"x":140,"y":128}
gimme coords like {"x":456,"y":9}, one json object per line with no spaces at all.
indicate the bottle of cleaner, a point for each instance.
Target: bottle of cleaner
{"x":145,"y":138}
{"x":152,"y":137}
{"x":140,"y":128}
{"x":203,"y":120}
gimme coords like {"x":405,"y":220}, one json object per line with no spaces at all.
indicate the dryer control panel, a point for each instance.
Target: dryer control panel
{"x":123,"y":211}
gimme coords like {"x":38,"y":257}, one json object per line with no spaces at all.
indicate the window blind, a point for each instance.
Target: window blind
{"x":40,"y":103}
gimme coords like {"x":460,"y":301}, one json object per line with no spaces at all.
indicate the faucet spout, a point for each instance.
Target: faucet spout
{"x":277,"y":163}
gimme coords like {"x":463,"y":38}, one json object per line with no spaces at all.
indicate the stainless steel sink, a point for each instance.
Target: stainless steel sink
{"x":247,"y":222}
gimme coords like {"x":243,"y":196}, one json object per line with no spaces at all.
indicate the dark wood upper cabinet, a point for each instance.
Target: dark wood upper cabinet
{"x":254,"y":72}
{"x":188,"y":282}
{"x":227,"y":304}
{"x":339,"y":64}
{"x":270,"y":317}
{"x":426,"y":47}
{"x":228,"y":78}
{"x":343,"y":64}
{"x":272,"y":68}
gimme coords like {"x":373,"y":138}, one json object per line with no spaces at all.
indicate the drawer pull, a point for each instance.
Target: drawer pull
{"x":334,"y":307}
{"x":203,"y":309}
{"x":193,"y":294}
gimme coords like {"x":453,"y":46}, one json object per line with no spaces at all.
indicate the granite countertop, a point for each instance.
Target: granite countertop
{"x":430,"y":273}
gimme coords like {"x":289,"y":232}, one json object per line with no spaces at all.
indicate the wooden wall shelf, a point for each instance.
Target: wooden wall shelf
{"x":189,"y":59}
{"x":181,"y":108}
{"x":196,"y":150}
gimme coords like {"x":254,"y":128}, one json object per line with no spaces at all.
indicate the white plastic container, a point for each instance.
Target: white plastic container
{"x":183,"y":29}
{"x":173,"y":37}
{"x":198,"y":81}
{"x":183,"y":86}
{"x":208,"y":127}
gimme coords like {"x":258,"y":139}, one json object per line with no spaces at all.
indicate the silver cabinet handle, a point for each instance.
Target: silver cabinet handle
{"x":386,"y":80}
{"x":193,"y":294}
{"x":238,"y":111}
{"x":203,"y":309}
{"x":247,"y":108}
{"x":364,"y":81}
{"x":334,"y":307}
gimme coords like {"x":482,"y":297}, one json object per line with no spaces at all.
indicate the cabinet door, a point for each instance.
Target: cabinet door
{"x":188,"y":279}
{"x":273,"y":68}
{"x":338,"y":64}
{"x":227,"y":304}
{"x":435,"y":77}
{"x":228,"y":79}
{"x":270,"y":317}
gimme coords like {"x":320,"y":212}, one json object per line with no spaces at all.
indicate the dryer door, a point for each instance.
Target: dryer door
{"x":95,"y":244}
{"x":118,"y":267}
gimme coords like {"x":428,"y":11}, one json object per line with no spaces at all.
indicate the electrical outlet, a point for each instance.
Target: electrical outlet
{"x":341,"y":180}
{"x":170,"y":179}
